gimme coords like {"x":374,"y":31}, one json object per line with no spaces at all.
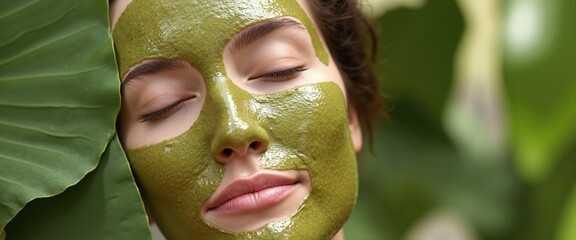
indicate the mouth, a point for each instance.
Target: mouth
{"x":252,"y":193}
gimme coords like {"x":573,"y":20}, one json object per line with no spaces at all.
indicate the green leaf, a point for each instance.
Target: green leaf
{"x":540,"y":79}
{"x":59,"y":97}
{"x":104,"y":205}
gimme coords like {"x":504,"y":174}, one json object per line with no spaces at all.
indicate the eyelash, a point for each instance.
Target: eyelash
{"x":162,"y":113}
{"x":274,"y":76}
{"x":281,"y":75}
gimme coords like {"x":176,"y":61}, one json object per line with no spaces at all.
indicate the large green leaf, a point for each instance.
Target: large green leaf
{"x":540,"y":79}
{"x":104,"y":205}
{"x":59,"y":97}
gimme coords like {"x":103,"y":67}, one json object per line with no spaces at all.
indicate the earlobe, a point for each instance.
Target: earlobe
{"x":355,"y":129}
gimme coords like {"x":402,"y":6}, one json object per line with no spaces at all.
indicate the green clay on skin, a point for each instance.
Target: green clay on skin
{"x":196,"y":31}
{"x":306,"y":127}
{"x":319,"y":143}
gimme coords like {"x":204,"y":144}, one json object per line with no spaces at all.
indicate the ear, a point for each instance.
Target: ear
{"x":355,"y":129}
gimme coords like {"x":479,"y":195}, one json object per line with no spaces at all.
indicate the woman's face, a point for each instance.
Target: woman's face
{"x":234,"y":119}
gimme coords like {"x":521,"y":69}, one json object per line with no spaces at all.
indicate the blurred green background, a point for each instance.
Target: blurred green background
{"x":481,"y":140}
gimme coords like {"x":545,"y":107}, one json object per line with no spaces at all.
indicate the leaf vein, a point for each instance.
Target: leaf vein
{"x":48,"y":75}
{"x":30,"y":146}
{"x":40,"y":46}
{"x":42,"y":131}
{"x":5,"y":15}
{"x":14,"y":183}
{"x":27,"y":163}
{"x":17,"y":36}
{"x":20,"y":105}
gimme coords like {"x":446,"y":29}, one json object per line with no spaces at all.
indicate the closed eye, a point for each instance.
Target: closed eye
{"x":281,"y":75}
{"x":164,"y":112}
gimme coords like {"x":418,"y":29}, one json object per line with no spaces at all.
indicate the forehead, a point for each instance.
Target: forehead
{"x":193,"y":30}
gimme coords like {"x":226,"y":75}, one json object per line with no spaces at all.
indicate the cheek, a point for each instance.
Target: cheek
{"x":176,"y":177}
{"x":314,"y":127}
{"x":176,"y":171}
{"x":328,"y":73}
{"x":335,"y":76}
{"x":308,"y":130}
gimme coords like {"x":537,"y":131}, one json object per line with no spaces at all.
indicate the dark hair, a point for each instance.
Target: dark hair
{"x":352,"y":42}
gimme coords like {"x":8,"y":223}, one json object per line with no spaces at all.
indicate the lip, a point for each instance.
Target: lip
{"x":251,"y":193}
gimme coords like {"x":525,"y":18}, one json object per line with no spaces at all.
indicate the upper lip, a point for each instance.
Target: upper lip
{"x":244,"y":185}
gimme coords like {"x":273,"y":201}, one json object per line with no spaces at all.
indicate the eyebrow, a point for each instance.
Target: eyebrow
{"x":240,"y":40}
{"x":150,"y":67}
{"x":261,"y":30}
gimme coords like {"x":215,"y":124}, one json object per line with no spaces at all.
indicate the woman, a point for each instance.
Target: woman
{"x":241,"y":119}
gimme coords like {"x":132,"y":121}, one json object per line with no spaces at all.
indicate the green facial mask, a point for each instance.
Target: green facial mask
{"x":306,"y":128}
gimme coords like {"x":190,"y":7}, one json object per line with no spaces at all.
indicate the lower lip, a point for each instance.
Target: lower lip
{"x":257,"y":200}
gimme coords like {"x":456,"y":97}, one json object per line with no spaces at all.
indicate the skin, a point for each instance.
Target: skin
{"x":224,"y":117}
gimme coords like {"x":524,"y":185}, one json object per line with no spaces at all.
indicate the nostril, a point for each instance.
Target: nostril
{"x":227,"y":152}
{"x":254,"y":145}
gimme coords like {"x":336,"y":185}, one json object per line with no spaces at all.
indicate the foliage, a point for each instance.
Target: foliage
{"x":104,"y":205}
{"x":417,"y":170}
{"x":59,"y":97}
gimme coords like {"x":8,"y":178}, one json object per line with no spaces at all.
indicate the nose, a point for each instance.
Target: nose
{"x":240,"y":139}
{"x":238,"y":135}
{"x":243,"y":151}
